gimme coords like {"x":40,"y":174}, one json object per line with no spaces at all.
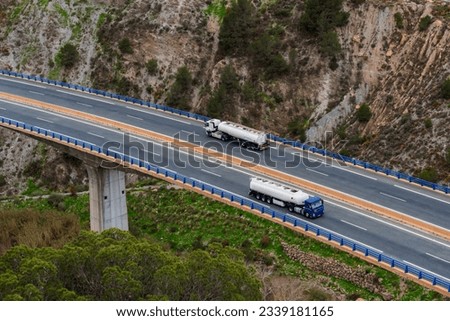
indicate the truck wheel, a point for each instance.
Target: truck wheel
{"x":269,"y":200}
{"x":307,"y":215}
{"x":209,"y":134}
{"x":263,"y":198}
{"x":223,"y":138}
{"x":291,"y":208}
{"x":258,"y":196}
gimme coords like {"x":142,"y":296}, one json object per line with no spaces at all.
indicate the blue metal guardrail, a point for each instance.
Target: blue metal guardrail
{"x":394,"y":263}
{"x":323,"y":152}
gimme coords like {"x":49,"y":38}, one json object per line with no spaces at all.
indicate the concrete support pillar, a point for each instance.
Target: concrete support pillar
{"x":107,"y":197}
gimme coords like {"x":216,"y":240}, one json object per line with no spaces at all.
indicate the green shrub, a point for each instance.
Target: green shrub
{"x":152,"y":66}
{"x":398,"y":20}
{"x":222,"y":99}
{"x":429,"y":174}
{"x":428,"y":123}
{"x":424,"y":23}
{"x":265,"y":55}
{"x":2,"y":181}
{"x":329,"y":44}
{"x":125,"y":46}
{"x":179,"y":95}
{"x":445,"y":89}
{"x":238,"y":28}
{"x":67,"y":56}
{"x":364,"y":114}
{"x":322,"y":16}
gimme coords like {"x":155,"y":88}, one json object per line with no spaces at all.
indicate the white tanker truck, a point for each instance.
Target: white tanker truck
{"x":248,"y":137}
{"x":284,"y":196}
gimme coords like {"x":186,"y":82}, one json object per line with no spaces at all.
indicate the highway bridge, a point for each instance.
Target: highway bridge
{"x":393,"y":217}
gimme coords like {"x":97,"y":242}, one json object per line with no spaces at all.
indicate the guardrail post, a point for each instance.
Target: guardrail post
{"x":354,"y":247}
{"x":420,"y":275}
{"x":341,"y":242}
{"x":284,"y":218}
{"x":184,"y":180}
{"x":193,"y":183}
{"x":393,"y":263}
{"x":231,"y":197}
{"x":379,"y":257}
{"x":318,"y":232}
{"x":329,"y":236}
{"x":175,"y":177}
{"x":366,"y":252}
{"x":242,"y":202}
{"x":295,"y":223}
{"x":273,"y":213}
{"x":262,"y":210}
{"x":252,"y":206}
{"x":306,"y":227}
{"x":406,"y":269}
{"x":203,"y":187}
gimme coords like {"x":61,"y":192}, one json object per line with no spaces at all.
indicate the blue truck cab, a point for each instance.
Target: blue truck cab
{"x":314,"y":207}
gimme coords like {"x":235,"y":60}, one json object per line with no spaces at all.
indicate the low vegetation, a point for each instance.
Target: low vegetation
{"x":198,"y":229}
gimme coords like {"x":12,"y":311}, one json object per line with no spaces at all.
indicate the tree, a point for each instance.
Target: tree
{"x":67,"y":56}
{"x":364,"y":114}
{"x":222,"y":99}
{"x":114,"y":265}
{"x":179,"y":95}
{"x":329,"y":44}
{"x":238,"y":28}
{"x":125,"y":46}
{"x":320,"y":17}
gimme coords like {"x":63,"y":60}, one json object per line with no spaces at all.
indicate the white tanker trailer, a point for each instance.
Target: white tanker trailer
{"x":248,"y":137}
{"x":284,"y":196}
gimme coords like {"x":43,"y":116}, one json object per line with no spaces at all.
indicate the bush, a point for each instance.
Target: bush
{"x":428,"y":123}
{"x":152,"y":66}
{"x":221,"y":100}
{"x":238,"y":28}
{"x":179,"y":95}
{"x":398,"y":20}
{"x":320,"y":17}
{"x":125,"y":46}
{"x":364,"y":114}
{"x":424,"y":23}
{"x":3,"y":181}
{"x":429,"y":174}
{"x":67,"y":56}
{"x":329,"y":44}
{"x":445,"y":89}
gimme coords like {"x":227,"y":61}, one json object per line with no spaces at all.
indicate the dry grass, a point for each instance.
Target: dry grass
{"x":36,"y":229}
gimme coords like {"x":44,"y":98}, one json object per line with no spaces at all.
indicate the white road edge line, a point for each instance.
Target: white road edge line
{"x":36,"y":93}
{"x":48,"y":121}
{"x":157,"y":115}
{"x":312,"y":170}
{"x":206,"y":171}
{"x":419,"y":267}
{"x":2,"y":108}
{"x":390,"y":224}
{"x":438,"y":258}
{"x":131,"y":116}
{"x":23,"y":83}
{"x":394,"y":197}
{"x":356,"y":173}
{"x":93,"y":134}
{"x":410,"y":190}
{"x":85,"y":97}
{"x":362,"y":228}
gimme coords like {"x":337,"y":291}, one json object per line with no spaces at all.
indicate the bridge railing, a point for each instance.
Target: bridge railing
{"x":298,"y":144}
{"x":237,"y":199}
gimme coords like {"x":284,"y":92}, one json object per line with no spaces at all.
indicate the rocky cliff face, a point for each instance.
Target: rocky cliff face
{"x":136,"y":47}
